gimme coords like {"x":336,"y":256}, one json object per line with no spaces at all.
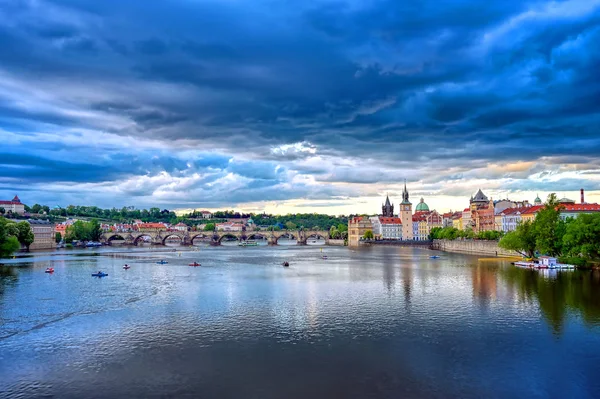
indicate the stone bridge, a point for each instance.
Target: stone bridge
{"x":215,"y":238}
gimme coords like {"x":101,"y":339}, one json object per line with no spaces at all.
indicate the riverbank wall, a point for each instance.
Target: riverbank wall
{"x":478,"y":247}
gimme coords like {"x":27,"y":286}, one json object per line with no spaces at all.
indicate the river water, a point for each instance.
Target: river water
{"x":380,"y":322}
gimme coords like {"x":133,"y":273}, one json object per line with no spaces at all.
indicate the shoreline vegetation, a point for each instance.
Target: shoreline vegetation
{"x":574,"y":241}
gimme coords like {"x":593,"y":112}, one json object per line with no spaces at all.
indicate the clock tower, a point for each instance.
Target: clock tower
{"x":406,"y":215}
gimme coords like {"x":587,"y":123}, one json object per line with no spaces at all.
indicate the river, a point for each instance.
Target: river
{"x":379,"y":322}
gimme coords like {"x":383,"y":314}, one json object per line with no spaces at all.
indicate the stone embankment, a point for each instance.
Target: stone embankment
{"x":479,"y":247}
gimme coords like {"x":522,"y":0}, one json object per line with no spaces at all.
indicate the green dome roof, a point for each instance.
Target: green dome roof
{"x":537,"y":200}
{"x":422,"y":206}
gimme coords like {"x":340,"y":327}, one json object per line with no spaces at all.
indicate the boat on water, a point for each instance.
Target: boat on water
{"x":162,"y":262}
{"x":285,"y":264}
{"x":49,"y":270}
{"x":126,"y":267}
{"x":544,"y":262}
{"x":434,"y":257}
{"x":195,"y":264}
{"x":93,"y":244}
{"x":248,"y":243}
{"x":99,"y":274}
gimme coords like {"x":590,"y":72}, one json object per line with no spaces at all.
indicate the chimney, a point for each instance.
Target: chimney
{"x":582,"y":198}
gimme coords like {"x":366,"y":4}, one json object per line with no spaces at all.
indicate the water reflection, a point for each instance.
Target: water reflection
{"x":558,"y":293}
{"x":484,"y":277}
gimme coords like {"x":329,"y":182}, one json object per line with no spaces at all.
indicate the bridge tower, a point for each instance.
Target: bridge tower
{"x":406,"y":215}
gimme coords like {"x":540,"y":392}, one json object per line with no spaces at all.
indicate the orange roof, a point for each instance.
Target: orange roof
{"x":466,"y":210}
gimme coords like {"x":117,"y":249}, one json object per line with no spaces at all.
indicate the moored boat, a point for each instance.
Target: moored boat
{"x":248,"y":243}
{"x":544,"y":262}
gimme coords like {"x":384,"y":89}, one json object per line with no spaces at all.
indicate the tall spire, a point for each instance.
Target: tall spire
{"x":405,"y":194}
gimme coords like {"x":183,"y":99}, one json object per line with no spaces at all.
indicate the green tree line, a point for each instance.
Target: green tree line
{"x":83,"y":231}
{"x":13,"y":235}
{"x":573,"y":240}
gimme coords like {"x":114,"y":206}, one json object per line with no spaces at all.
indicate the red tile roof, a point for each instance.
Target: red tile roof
{"x":532,"y":209}
{"x":152,"y":226}
{"x":581,"y":207}
{"x":511,"y":211}
{"x":419,"y":217}
{"x":390,"y":220}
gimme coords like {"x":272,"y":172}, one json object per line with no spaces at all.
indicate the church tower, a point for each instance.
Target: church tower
{"x":387,"y":210}
{"x":406,"y":215}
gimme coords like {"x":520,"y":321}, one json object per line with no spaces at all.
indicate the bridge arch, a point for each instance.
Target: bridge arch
{"x":286,"y":235}
{"x":140,"y":238}
{"x":317,"y":235}
{"x":257,"y":235}
{"x":122,"y":236}
{"x":228,"y":235}
{"x":171,"y":235}
{"x":207,"y":235}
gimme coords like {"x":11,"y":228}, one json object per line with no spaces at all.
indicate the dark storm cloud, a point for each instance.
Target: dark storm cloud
{"x":403,"y":85}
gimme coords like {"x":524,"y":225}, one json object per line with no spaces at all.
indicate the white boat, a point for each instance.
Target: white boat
{"x":545,"y":262}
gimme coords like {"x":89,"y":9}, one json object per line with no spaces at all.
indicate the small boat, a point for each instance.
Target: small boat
{"x":126,"y":267}
{"x":162,"y":262}
{"x":434,"y":257}
{"x":285,"y":264}
{"x":324,"y":256}
{"x":195,"y":264}
{"x":49,"y":270}
{"x":99,"y":274}
{"x":248,"y":243}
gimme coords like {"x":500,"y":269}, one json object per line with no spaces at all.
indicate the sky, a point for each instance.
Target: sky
{"x":297,"y":106}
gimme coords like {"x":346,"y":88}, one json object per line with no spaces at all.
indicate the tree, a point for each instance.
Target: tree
{"x":57,"y":237}
{"x":94,"y":230}
{"x":24,"y":234}
{"x":36,"y":208}
{"x":2,"y":211}
{"x":368,"y":235}
{"x":209,"y":227}
{"x":290,"y":225}
{"x":522,"y":240}
{"x":8,"y":242}
{"x":582,"y":237}
{"x":549,"y":228}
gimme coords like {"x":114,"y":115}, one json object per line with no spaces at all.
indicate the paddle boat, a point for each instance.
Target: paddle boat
{"x":99,"y":274}
{"x":49,"y":270}
{"x":324,"y":256}
{"x":195,"y":264}
{"x":126,"y":267}
{"x":285,"y":264}
{"x":434,"y":257}
{"x":162,"y":262}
